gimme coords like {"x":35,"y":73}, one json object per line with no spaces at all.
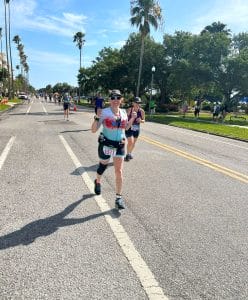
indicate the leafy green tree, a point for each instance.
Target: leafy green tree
{"x":107,"y":70}
{"x":180,"y":69}
{"x":144,"y":14}
{"x":60,"y":88}
{"x":216,"y":27}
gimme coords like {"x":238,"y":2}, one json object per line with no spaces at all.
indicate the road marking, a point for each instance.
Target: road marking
{"x":6,"y":151}
{"x":147,"y":279}
{"x":44,"y":109}
{"x":209,"y":164}
{"x":27,"y":112}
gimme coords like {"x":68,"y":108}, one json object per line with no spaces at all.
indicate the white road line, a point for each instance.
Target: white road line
{"x":27,"y":112}
{"x":44,"y":109}
{"x":6,"y":151}
{"x":147,"y":279}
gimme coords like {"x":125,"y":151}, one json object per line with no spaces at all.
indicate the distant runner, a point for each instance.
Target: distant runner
{"x":66,"y":101}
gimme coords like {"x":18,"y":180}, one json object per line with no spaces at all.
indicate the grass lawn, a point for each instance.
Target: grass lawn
{"x":3,"y":107}
{"x":12,"y":101}
{"x":16,"y":100}
{"x":205,"y":124}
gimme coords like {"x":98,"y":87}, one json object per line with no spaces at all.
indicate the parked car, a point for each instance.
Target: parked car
{"x":23,"y":96}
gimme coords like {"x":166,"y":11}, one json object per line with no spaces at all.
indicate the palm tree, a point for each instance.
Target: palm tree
{"x":10,"y":52}
{"x":23,"y":60}
{"x":1,"y":45}
{"x":17,"y":40}
{"x":1,"y":49}
{"x":79,"y":39}
{"x":20,"y":48}
{"x":144,"y":13}
{"x":6,"y":44}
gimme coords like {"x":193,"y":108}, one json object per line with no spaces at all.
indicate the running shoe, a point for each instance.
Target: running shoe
{"x":97,"y":188}
{"x":119,"y":203}
{"x":130,"y":156}
{"x":127,"y":158}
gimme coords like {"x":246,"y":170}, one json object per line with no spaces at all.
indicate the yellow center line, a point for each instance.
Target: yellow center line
{"x":209,"y":164}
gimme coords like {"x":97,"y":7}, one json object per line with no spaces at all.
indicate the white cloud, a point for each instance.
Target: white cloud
{"x":122,"y":23}
{"x":27,"y":16}
{"x":25,"y":8}
{"x":51,"y":59}
{"x":118,"y":44}
{"x":234,"y":13}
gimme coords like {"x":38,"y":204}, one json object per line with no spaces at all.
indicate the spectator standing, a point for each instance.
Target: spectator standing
{"x":216,"y":111}
{"x":184,"y":108}
{"x":197,"y":108}
{"x":152,"y":107}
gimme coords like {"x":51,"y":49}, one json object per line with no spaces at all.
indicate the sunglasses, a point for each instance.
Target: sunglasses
{"x":115,"y":98}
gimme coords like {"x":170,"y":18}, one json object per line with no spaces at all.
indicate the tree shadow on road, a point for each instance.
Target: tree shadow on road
{"x":44,"y":227}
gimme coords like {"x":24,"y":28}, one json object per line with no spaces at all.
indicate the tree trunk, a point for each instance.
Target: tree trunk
{"x":80,"y":65}
{"x":6,"y":43}
{"x":10,"y":57}
{"x":80,"y":59}
{"x":140,"y":64}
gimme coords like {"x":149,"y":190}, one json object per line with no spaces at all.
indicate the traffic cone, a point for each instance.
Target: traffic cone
{"x":75,"y":107}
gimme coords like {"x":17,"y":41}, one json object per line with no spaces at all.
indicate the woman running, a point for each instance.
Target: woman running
{"x":133,"y":132}
{"x":111,"y":142}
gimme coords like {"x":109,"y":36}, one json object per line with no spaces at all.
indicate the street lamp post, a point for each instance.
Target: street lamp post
{"x":150,"y":102}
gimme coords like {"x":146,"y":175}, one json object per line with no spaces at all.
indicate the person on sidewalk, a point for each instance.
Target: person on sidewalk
{"x":111,"y":142}
{"x":216,"y":111}
{"x":132,"y":133}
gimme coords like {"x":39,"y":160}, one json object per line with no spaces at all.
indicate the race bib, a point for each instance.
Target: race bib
{"x":135,"y":127}
{"x":109,"y":151}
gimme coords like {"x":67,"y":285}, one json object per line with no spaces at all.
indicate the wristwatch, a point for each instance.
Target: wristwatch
{"x":96,"y":118}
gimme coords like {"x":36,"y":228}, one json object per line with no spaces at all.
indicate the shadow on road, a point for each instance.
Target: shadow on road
{"x":42,"y":113}
{"x":79,"y":171}
{"x":44,"y":227}
{"x":79,"y":130}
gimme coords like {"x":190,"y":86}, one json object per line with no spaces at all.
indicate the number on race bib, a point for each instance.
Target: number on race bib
{"x":135,"y":127}
{"x":109,"y":150}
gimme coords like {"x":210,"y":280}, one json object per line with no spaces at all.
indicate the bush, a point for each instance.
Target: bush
{"x":167,"y":107}
{"x":244,"y":107}
{"x":206,"y":106}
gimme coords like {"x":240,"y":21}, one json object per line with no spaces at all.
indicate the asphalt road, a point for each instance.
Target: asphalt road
{"x":182,"y":236}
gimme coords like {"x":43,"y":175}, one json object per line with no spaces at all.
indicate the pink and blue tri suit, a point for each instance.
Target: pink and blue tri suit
{"x":113,"y":131}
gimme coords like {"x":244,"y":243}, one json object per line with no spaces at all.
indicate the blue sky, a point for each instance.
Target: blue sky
{"x":46,"y":29}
